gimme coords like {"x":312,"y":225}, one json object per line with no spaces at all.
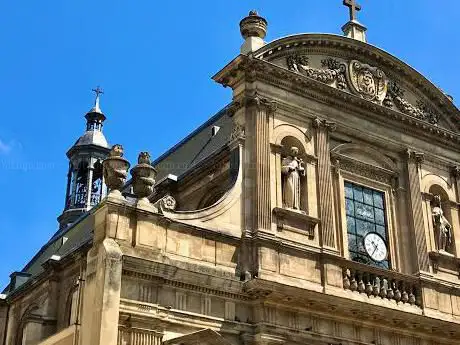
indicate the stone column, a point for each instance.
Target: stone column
{"x":69,"y":183}
{"x":259,"y":110}
{"x":414,"y":164}
{"x":74,"y":187}
{"x":325,"y":196}
{"x":89,"y":185}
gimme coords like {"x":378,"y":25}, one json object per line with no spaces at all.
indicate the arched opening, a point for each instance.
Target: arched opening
{"x":72,"y":306}
{"x":293,"y":174}
{"x":81,"y":185}
{"x":213,"y":195}
{"x":96,"y":185}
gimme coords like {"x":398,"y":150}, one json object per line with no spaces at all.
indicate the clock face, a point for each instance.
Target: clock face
{"x":375,"y":246}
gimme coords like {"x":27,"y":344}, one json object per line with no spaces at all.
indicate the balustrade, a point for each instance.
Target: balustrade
{"x":381,"y":283}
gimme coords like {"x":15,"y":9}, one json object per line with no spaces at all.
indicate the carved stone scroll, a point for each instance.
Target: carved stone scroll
{"x":368,"y":82}
{"x":333,"y":72}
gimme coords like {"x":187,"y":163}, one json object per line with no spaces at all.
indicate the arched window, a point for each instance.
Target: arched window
{"x":81,"y":185}
{"x":72,"y":306}
{"x":213,"y":195}
{"x":96,"y":186}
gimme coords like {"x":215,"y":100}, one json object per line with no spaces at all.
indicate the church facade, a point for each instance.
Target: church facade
{"x":320,"y":206}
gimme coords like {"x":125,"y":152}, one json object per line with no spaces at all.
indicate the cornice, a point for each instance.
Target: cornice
{"x":350,"y":48}
{"x":305,"y":86}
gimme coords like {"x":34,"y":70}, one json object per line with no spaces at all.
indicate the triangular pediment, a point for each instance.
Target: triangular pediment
{"x":366,"y":72}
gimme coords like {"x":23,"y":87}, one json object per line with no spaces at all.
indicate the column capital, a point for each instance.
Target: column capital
{"x":455,"y":172}
{"x":321,"y":123}
{"x":261,"y":102}
{"x":416,"y":157}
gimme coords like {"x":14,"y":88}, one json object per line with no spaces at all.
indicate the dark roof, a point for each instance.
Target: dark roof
{"x":195,"y":147}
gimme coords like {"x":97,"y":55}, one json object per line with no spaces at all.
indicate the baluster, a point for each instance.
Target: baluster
{"x":354,"y":283}
{"x":376,"y":290}
{"x":383,"y":288}
{"x":397,"y":291}
{"x":391,"y":291}
{"x":405,"y":295}
{"x":361,"y":285}
{"x":368,"y":279}
{"x":346,"y":279}
{"x":411,"y":295}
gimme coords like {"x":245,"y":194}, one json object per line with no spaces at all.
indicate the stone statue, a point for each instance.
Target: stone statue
{"x":292,"y":168}
{"x":443,"y":229}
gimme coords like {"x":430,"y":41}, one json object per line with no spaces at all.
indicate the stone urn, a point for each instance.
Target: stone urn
{"x":115,"y":169}
{"x":143,"y":177}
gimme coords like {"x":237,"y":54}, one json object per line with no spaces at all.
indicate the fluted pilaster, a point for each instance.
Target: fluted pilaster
{"x":414,"y":163}
{"x":259,"y":111}
{"x":326,"y":202}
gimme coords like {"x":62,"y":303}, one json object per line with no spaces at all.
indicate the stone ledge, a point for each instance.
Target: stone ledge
{"x":296,"y":221}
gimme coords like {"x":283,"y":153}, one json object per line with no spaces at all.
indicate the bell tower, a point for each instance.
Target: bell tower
{"x":85,"y":185}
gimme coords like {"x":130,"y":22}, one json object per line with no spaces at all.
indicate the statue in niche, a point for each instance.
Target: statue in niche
{"x":443,"y":229}
{"x":292,"y":169}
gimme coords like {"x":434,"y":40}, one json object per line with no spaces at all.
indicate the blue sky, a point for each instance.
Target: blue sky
{"x":154,"y":59}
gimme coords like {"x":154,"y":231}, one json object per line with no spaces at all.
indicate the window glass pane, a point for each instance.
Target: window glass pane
{"x":358,"y":193}
{"x":348,"y":190}
{"x":350,"y":207}
{"x":368,"y":198}
{"x":363,"y":227}
{"x":352,"y":243}
{"x":360,"y":244}
{"x":351,"y":227}
{"x":381,"y":230}
{"x":378,"y":199}
{"x":379,"y":216}
{"x":365,"y":211}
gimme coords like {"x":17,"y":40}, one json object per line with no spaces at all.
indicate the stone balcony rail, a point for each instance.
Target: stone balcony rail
{"x":385,"y":284}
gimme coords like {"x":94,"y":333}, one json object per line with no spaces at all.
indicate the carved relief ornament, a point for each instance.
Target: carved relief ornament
{"x":366,"y":81}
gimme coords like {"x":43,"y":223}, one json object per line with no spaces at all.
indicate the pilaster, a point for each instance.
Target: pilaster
{"x":258,"y":111}
{"x":89,"y":184}
{"x":414,"y":164}
{"x":456,"y":181}
{"x":325,"y":196}
{"x":101,"y":295}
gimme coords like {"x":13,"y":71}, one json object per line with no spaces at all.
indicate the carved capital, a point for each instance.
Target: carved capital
{"x":261,"y":103}
{"x":455,"y":172}
{"x":320,"y":123}
{"x":415,"y":157}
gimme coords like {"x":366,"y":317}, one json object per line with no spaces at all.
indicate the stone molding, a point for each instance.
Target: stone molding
{"x":305,"y":86}
{"x":351,"y":49}
{"x":356,"y":167}
{"x":285,"y":218}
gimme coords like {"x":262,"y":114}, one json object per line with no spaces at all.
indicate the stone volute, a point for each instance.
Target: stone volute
{"x":143,"y":177}
{"x":253,"y":28}
{"x":115,"y":169}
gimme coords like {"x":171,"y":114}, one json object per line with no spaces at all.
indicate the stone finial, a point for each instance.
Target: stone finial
{"x":143,"y":176}
{"x":253,"y":28}
{"x":115,"y":169}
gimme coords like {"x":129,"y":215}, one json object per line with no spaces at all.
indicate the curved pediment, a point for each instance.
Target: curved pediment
{"x":365,"y":71}
{"x":365,"y":154}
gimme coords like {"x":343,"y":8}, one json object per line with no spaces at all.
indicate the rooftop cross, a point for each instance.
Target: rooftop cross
{"x":353,"y":6}
{"x":98,"y":91}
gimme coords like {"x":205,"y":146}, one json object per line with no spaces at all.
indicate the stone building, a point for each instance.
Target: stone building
{"x":320,"y":206}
